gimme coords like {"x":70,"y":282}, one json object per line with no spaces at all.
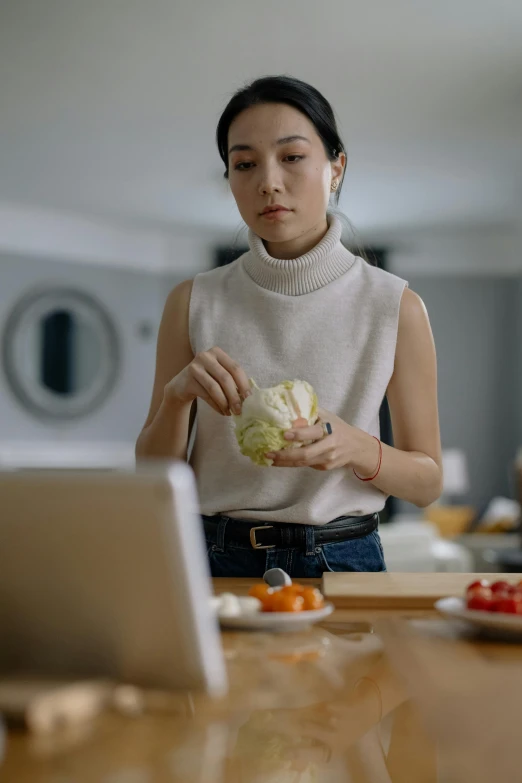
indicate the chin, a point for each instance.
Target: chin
{"x":276,"y":232}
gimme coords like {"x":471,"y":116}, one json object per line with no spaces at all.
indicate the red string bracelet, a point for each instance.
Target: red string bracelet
{"x":371,"y":478}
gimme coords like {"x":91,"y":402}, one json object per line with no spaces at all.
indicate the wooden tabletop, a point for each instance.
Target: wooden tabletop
{"x":369,"y":696}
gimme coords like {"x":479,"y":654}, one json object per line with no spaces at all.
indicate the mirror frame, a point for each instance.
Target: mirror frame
{"x":38,"y":401}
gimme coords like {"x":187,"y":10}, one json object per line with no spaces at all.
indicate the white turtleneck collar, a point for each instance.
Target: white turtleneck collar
{"x":327,"y":261}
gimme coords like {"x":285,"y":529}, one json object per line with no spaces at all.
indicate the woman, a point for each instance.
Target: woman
{"x":297,"y":305}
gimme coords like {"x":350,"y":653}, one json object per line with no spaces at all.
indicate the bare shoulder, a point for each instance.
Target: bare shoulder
{"x":179,"y":296}
{"x":413,"y":310}
{"x":414,"y":322}
{"x":175,"y":319}
{"x":177,"y":303}
{"x":415,"y":343}
{"x":184,"y":288}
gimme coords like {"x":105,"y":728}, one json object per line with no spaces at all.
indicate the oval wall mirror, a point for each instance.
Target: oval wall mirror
{"x":61,"y":353}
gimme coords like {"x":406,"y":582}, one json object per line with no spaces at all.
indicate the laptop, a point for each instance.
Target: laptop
{"x":105,"y":574}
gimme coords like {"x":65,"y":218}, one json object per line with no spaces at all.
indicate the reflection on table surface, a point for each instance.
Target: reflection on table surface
{"x":382,"y":699}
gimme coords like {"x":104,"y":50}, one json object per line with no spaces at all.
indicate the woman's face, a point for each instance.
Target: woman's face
{"x":276,"y":158}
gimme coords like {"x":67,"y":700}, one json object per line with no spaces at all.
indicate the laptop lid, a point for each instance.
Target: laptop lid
{"x":106,"y":574}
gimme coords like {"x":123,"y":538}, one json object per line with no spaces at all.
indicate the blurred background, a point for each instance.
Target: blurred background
{"x":112,"y":191}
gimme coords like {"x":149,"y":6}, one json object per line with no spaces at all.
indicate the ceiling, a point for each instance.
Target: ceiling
{"x":108,"y":107}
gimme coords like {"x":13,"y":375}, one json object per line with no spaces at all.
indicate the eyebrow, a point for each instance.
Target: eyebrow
{"x":284,"y":140}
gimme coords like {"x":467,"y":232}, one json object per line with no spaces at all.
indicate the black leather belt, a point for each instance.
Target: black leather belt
{"x":286,"y":535}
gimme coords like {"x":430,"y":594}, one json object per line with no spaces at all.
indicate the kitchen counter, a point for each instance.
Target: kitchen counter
{"x":368,"y":696}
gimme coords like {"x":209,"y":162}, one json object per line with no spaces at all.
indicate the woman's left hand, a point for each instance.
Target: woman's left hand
{"x":327,"y":452}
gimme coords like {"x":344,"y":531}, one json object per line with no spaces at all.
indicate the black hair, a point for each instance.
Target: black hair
{"x":294,"y":92}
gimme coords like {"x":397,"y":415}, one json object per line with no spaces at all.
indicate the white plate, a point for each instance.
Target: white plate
{"x":276,"y":621}
{"x":490,"y":622}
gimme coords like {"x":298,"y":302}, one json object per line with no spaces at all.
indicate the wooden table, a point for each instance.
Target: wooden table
{"x":367,"y":697}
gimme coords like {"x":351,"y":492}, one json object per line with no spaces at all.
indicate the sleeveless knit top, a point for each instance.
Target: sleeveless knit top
{"x":328,"y":318}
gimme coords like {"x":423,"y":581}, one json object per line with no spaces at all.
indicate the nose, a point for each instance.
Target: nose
{"x":269,"y":181}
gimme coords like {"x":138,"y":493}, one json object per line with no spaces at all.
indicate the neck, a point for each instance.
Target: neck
{"x":294,"y":248}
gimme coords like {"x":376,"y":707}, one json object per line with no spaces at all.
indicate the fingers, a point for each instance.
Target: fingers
{"x":236,"y":371}
{"x":315,"y":432}
{"x":230,"y":376}
{"x":204,"y":395}
{"x":306,"y":456}
{"x":210,"y":388}
{"x":223,"y":380}
{"x":226,"y":382}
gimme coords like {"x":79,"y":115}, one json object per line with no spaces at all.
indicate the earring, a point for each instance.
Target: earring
{"x":334,"y":185}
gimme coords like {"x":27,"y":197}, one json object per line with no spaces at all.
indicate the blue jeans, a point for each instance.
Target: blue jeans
{"x":234,"y":558}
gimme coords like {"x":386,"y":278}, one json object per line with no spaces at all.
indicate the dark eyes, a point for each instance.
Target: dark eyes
{"x":247,"y":165}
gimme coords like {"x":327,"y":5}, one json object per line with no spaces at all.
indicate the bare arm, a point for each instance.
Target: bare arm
{"x":166,"y":429}
{"x":412,"y":469}
{"x":180,"y":378}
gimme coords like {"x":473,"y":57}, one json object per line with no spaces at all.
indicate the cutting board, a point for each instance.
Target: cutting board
{"x":397,"y":591}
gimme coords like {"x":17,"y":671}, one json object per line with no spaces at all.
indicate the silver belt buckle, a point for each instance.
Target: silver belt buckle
{"x":253,"y":541}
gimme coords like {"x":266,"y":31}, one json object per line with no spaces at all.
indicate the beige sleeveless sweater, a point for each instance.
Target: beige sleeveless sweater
{"x":328,"y":318}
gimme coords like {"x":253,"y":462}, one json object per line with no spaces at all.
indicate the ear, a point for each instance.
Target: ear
{"x":338,"y":166}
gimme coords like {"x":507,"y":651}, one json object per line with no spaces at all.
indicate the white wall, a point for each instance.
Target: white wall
{"x":78,"y":239}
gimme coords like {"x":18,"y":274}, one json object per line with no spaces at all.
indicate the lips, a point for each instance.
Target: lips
{"x":274,"y":208}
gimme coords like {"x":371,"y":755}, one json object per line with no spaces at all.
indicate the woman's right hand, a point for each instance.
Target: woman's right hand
{"x":214,"y":377}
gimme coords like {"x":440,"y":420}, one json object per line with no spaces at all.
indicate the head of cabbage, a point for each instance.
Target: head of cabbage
{"x":268,"y":413}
